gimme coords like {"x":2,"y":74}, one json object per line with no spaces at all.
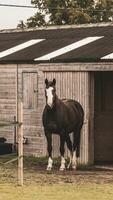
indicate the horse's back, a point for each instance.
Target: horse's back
{"x":74,"y":107}
{"x":67,"y":115}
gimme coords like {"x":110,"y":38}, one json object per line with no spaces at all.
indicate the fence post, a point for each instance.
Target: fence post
{"x":20,"y":143}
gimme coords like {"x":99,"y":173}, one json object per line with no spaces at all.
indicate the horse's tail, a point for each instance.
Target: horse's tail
{"x":80,"y":111}
{"x":82,"y":114}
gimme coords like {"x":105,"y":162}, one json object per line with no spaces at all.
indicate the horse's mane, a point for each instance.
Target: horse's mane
{"x":64,"y":100}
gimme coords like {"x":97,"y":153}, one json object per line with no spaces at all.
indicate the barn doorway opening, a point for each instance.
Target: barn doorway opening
{"x":103,"y":118}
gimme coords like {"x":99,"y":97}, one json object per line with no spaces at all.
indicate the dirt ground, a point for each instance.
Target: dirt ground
{"x":79,"y":177}
{"x":35,"y":172}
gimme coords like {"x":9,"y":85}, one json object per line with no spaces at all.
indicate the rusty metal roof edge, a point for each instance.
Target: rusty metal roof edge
{"x":66,"y":61}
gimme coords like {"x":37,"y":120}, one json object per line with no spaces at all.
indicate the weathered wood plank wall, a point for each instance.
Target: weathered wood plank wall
{"x":71,"y":83}
{"x":7,"y":99}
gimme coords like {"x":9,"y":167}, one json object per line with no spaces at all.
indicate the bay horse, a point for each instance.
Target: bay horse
{"x":62,"y":117}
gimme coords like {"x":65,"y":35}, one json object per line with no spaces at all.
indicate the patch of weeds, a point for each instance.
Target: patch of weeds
{"x":85,"y":167}
{"x":31,"y":161}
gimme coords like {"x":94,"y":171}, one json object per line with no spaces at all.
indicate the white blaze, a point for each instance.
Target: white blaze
{"x":49,"y":96}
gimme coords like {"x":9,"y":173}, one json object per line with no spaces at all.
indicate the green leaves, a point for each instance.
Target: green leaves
{"x":36,"y":21}
{"x":70,"y":12}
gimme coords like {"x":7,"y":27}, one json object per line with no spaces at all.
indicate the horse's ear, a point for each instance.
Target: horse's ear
{"x":46,"y":81}
{"x":54,"y":81}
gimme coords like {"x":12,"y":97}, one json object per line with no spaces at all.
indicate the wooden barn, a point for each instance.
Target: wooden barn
{"x":81,"y":60}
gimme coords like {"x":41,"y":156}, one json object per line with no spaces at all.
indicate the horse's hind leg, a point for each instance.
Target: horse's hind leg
{"x":76,"y":147}
{"x":49,"y":148}
{"x":69,"y":145}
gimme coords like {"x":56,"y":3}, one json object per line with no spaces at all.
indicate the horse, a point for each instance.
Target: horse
{"x":62,"y":117}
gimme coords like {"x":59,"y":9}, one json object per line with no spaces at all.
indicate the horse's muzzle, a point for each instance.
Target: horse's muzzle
{"x":49,"y":107}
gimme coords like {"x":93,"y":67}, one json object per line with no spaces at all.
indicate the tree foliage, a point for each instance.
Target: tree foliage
{"x":70,"y":12}
{"x":36,"y":20}
{"x":103,"y":11}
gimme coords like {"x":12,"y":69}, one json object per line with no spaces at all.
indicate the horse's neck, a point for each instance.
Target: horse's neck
{"x":57,"y":101}
{"x":58,"y":105}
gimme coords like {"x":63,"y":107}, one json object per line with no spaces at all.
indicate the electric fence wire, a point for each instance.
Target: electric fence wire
{"x":55,"y":8}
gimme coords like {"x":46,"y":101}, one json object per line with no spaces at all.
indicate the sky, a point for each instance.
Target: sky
{"x":11,"y":16}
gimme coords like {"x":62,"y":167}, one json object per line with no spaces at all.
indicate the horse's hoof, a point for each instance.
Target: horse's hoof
{"x":62,"y":169}
{"x":48,"y":168}
{"x":74,"y":167}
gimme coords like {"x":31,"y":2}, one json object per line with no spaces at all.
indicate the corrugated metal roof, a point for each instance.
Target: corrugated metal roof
{"x":57,"y":45}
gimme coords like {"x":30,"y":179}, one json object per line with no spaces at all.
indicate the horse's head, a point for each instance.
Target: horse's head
{"x":50,"y":92}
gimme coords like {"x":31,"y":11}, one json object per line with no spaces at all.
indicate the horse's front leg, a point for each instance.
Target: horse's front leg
{"x":69,"y":145}
{"x":62,"y":151}
{"x":49,"y":149}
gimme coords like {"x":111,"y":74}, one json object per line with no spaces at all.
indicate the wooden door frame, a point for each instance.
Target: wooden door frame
{"x":29,"y":72}
{"x":91,"y":116}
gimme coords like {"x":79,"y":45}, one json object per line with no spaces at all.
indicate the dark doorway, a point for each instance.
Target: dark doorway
{"x":103,"y":117}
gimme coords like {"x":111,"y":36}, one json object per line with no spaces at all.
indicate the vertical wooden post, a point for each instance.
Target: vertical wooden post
{"x":16,"y":119}
{"x":15,"y":131}
{"x":20,"y":144}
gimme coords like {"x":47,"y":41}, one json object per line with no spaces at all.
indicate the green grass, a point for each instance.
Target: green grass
{"x":85,"y":184}
{"x":56,"y":192}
